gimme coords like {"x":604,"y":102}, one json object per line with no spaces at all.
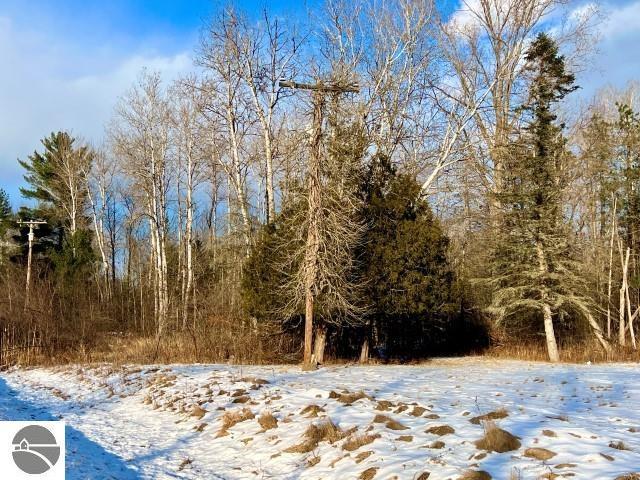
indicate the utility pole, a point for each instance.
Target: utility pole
{"x":312,"y":247}
{"x":32,"y":224}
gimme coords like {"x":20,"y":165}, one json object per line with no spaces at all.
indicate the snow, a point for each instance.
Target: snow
{"x":129,"y":422}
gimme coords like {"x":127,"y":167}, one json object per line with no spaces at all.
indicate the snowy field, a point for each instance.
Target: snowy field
{"x":404,"y":422}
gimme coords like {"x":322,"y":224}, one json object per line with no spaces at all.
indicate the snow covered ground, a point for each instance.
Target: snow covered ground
{"x":161,"y":422}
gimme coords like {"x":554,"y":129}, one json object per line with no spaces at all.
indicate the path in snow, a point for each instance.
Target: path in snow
{"x":138,"y":422}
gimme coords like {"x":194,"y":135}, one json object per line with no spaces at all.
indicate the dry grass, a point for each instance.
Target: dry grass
{"x":233,"y":417}
{"x":267,"y":421}
{"x":576,"y":353}
{"x":619,"y":445}
{"x":496,"y":415}
{"x":497,"y":440}
{"x":417,"y":411}
{"x":348,"y":397}
{"x":362,"y":456}
{"x":198,"y":412}
{"x":539,"y":453}
{"x":325,"y":431}
{"x":311,"y":410}
{"x":368,"y":474}
{"x":440,"y":430}
{"x":354,"y":442}
{"x":389,"y":422}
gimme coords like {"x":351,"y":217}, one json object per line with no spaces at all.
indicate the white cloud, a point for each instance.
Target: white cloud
{"x":48,"y":85}
{"x":618,"y":58}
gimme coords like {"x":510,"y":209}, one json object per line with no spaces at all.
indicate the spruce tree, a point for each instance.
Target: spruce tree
{"x":535,"y":277}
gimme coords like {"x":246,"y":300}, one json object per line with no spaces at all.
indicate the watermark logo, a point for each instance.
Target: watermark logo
{"x":33,"y":450}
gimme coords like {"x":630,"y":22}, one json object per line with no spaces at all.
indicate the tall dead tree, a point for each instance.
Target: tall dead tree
{"x":312,"y":274}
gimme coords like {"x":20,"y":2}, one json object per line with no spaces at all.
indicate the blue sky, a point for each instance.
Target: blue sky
{"x":65,"y":62}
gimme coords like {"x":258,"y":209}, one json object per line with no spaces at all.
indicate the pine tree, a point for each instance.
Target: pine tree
{"x":57,"y":182}
{"x":5,"y":213}
{"x":535,"y":274}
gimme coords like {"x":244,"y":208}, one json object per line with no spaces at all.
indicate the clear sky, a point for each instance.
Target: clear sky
{"x":65,"y":62}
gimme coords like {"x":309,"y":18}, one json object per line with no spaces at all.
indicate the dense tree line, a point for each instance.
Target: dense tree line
{"x":389,"y":181}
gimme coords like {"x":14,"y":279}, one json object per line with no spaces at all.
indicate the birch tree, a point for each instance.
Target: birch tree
{"x":141,"y":137}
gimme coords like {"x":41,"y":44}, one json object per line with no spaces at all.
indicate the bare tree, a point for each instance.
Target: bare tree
{"x":141,"y":137}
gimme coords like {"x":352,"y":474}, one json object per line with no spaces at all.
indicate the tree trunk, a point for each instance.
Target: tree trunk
{"x":312,"y":246}
{"x":621,"y":326}
{"x":364,"y":351}
{"x":320,"y":343}
{"x":552,"y":346}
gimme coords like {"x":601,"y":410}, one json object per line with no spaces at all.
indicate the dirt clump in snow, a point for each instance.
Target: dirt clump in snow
{"x":619,"y":445}
{"x":389,"y":422}
{"x":497,"y":415}
{"x":362,"y":456}
{"x":368,"y":474}
{"x":348,"y":397}
{"x":384,"y":405}
{"x":539,"y":453}
{"x":497,"y":440}
{"x":475,"y":475}
{"x":354,"y":442}
{"x":441,"y":430}
{"x":198,"y":412}
{"x":267,"y":421}
{"x":312,"y":410}
{"x":417,"y":411}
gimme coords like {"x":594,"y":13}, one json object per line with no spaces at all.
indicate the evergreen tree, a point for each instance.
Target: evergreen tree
{"x":406,"y":272}
{"x":57,"y":182}
{"x":6,"y":215}
{"x":627,"y":160}
{"x":535,"y":276}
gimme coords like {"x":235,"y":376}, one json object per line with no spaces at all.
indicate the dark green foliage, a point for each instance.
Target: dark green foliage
{"x":408,"y":279}
{"x":627,"y":164}
{"x":402,"y":264}
{"x":52,"y":176}
{"x":532,"y":259}
{"x":73,"y":262}
{"x":6,"y":214}
{"x":268,"y":266}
